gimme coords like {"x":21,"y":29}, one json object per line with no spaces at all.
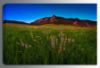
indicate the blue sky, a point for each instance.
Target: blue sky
{"x":32,"y":12}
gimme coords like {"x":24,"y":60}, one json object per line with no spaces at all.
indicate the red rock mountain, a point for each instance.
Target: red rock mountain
{"x":65,"y":21}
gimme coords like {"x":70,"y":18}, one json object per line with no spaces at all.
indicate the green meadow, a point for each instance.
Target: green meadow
{"x":49,"y":44}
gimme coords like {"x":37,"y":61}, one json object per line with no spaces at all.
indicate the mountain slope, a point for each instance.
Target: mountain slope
{"x":66,"y":21}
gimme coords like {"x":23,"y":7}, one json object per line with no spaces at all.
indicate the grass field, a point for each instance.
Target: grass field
{"x":49,"y":44}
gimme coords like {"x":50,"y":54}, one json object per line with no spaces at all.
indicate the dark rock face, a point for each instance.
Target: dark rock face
{"x":65,"y":21}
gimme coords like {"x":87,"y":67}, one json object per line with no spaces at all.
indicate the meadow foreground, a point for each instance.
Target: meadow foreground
{"x":49,"y":44}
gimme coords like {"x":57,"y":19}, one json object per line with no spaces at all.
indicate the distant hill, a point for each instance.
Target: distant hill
{"x":66,"y":21}
{"x":14,"y":22}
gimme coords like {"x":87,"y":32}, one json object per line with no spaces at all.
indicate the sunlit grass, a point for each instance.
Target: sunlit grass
{"x":49,"y":44}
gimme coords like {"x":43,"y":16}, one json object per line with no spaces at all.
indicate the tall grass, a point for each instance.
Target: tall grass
{"x":49,"y":45}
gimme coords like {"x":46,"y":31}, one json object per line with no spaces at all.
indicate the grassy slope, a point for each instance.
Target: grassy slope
{"x":49,"y":44}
